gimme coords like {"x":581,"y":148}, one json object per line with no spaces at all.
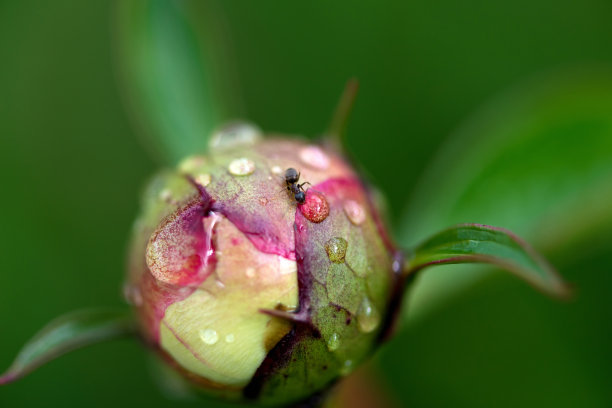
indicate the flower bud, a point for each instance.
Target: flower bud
{"x":248,"y":292}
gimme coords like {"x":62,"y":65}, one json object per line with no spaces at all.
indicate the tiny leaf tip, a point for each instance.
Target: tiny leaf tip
{"x":7,"y":379}
{"x":564,"y":291}
{"x":337,"y":127}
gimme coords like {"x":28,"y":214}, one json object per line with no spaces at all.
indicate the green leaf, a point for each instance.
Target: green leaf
{"x":336,"y":133}
{"x":476,"y":243}
{"x":67,"y":333}
{"x":537,"y":160}
{"x":176,"y":79}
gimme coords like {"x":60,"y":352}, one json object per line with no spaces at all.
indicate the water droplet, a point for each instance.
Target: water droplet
{"x":396,"y":266}
{"x":336,"y":249}
{"x":191,"y":164}
{"x":209,"y":336}
{"x":347,"y":367}
{"x":230,"y":338}
{"x":234,"y":134}
{"x":165,"y":195}
{"x":333,"y":342}
{"x":276,"y":170}
{"x":315,"y":208}
{"x":203,"y":179}
{"x":368,"y":318}
{"x":185,"y":291}
{"x":250,"y":272}
{"x":472,"y":244}
{"x":354,"y":212}
{"x":132,"y":295}
{"x":241,"y":167}
{"x":314,"y":157}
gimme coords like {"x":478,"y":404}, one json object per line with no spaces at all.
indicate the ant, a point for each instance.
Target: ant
{"x":291,"y":179}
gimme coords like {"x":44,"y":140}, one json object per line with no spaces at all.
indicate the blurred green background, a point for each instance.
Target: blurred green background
{"x":72,"y":166}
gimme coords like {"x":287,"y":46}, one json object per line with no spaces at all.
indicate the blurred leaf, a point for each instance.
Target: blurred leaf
{"x":537,"y":160}
{"x":469,"y":243}
{"x":172,"y":58}
{"x":336,"y":132}
{"x":67,"y":333}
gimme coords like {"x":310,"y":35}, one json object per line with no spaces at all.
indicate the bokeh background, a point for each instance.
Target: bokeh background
{"x":498,"y":112}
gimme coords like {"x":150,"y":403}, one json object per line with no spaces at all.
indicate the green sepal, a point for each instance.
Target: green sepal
{"x":477,"y":243}
{"x":66,"y":333}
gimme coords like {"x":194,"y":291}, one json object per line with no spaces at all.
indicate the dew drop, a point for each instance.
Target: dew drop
{"x":209,"y":336}
{"x":191,"y":164}
{"x":396,"y":266}
{"x":132,"y":295}
{"x":314,"y":157}
{"x":276,"y":170}
{"x":203,"y":179}
{"x":185,"y":291}
{"x":368,"y":318}
{"x":165,"y":195}
{"x":347,"y":367}
{"x":241,"y":167}
{"x":333,"y":342}
{"x":230,"y":338}
{"x":472,"y":244}
{"x":233,"y":135}
{"x":336,"y":249}
{"x":315,"y":208}
{"x":354,"y":212}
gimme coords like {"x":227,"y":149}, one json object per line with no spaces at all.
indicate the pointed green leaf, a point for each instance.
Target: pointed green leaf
{"x":178,"y":85}
{"x":476,"y":243}
{"x":536,"y":160}
{"x":67,"y":333}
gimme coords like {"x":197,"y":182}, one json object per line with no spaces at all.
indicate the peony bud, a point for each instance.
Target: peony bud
{"x":249,"y":293}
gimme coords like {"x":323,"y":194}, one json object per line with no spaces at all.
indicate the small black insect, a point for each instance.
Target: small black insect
{"x":291,"y":179}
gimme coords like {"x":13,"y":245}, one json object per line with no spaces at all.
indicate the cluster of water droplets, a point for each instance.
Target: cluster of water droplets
{"x":368,"y":317}
{"x":316,"y":209}
{"x":211,"y":337}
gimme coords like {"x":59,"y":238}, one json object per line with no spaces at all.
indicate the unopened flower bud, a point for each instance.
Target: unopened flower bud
{"x":245,"y":289}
